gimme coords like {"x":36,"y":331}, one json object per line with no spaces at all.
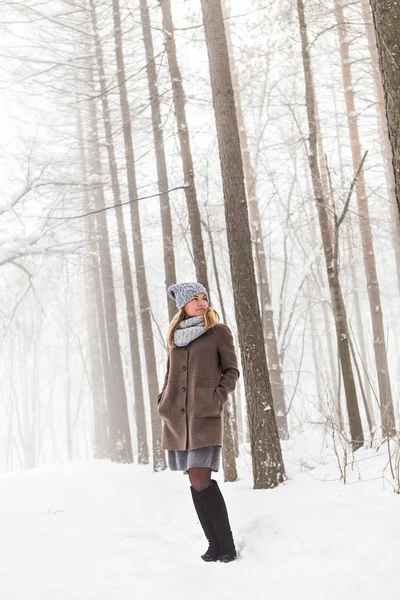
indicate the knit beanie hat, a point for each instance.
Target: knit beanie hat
{"x":183,"y":292}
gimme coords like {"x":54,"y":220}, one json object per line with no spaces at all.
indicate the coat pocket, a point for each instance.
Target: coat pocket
{"x":222,"y":396}
{"x":206,"y":402}
{"x":163,"y":407}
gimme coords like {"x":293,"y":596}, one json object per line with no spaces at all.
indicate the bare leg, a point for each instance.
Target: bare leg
{"x":200,"y":478}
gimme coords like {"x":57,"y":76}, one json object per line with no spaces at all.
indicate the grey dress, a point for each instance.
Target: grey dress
{"x":182,"y":460}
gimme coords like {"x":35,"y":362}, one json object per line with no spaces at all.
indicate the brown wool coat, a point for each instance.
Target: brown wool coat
{"x":199,"y":379}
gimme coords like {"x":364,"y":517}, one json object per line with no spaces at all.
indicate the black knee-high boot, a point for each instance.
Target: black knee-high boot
{"x":212,"y":554}
{"x":215,"y":507}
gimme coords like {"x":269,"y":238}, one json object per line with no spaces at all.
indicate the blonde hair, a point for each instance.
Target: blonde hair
{"x":211,"y":318}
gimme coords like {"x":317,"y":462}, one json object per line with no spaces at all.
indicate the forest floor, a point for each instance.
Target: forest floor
{"x":100,"y":531}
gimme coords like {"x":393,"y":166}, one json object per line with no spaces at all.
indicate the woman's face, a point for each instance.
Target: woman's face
{"x":197,"y":306}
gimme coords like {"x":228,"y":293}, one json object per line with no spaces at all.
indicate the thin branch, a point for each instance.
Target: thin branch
{"x":94,"y":212}
{"x":346,"y":206}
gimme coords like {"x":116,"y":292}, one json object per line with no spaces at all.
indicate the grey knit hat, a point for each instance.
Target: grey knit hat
{"x":183,"y":292}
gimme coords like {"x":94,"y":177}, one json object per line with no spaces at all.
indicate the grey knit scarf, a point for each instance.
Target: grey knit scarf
{"x":189,"y":330}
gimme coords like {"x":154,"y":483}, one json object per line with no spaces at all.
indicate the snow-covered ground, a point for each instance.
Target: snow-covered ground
{"x":97,"y":530}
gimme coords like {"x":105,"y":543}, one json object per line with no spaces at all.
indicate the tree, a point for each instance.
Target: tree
{"x":383,"y":132}
{"x":386,"y":14}
{"x":144,"y":300}
{"x":330,"y":251}
{"x":110,"y":342}
{"x":184,"y":144}
{"x":122,"y":447}
{"x":381,"y":362}
{"x":231,"y":445}
{"x":95,"y":316}
{"x":268,"y":467}
{"x":162,"y":174}
{"x":256,"y":228}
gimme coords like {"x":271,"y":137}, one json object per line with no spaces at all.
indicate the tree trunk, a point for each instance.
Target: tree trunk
{"x":315,"y":351}
{"x":144,"y":300}
{"x":166,"y":222}
{"x":361,"y":337}
{"x":382,"y":367}
{"x":184,"y":143}
{"x":386,"y":14}
{"x":325,"y":306}
{"x":320,"y":283}
{"x":95,"y":320}
{"x":67,"y":373}
{"x":268,"y":467}
{"x":267,"y":314}
{"x":383,"y":133}
{"x":122,"y":451}
{"x":110,"y":343}
{"x":104,"y":358}
{"x":231,"y":444}
{"x":338,"y":307}
{"x":140,"y":270}
{"x":241,"y":426}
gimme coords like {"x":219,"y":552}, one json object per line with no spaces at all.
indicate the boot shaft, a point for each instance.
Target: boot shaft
{"x":214,"y":505}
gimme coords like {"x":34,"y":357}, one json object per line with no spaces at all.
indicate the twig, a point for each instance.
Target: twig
{"x":95,"y":212}
{"x":346,"y":206}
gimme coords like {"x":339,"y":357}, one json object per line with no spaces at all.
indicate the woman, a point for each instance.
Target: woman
{"x":202,"y":371}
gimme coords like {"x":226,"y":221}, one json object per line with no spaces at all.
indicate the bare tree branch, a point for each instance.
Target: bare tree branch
{"x":346,"y":206}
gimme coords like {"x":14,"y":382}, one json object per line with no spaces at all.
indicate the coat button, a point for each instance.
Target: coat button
{"x":186,"y":347}
{"x":182,"y":410}
{"x":183,"y":389}
{"x":183,"y":368}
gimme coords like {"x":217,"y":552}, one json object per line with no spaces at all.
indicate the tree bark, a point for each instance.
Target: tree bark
{"x":184,"y":143}
{"x":315,"y":351}
{"x":122,"y":450}
{"x":386,"y":14}
{"x":382,"y":367}
{"x":110,"y":342}
{"x":267,"y":314}
{"x":320,"y":284}
{"x":166,"y":221}
{"x":361,"y":336}
{"x":231,"y":445}
{"x":268,"y":467}
{"x":338,"y":307}
{"x":139,"y":264}
{"x":95,"y":319}
{"x":144,"y":300}
{"x":383,"y":133}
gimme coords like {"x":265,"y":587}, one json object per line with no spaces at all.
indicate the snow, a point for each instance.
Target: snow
{"x":97,"y":530}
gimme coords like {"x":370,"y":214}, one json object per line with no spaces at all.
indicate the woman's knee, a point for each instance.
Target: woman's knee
{"x":200,"y":478}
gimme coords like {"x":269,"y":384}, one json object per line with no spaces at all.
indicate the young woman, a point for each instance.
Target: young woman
{"x":202,"y":371}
